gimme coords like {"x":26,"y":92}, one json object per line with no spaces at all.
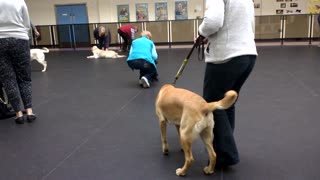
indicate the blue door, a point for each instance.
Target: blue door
{"x":73,"y":28}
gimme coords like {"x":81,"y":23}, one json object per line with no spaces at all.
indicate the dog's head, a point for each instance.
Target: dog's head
{"x":94,"y":48}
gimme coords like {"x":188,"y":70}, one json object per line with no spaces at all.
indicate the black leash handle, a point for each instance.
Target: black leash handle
{"x":185,"y":61}
{"x":201,"y":52}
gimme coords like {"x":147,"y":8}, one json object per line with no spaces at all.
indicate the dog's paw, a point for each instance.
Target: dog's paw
{"x":207,"y":170}
{"x":165,"y":152}
{"x":180,"y":172}
{"x":165,"y":149}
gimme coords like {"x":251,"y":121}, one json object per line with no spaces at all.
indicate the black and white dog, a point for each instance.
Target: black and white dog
{"x":38,"y":55}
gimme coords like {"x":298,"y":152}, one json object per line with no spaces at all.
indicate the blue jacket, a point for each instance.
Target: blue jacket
{"x":143,"y":48}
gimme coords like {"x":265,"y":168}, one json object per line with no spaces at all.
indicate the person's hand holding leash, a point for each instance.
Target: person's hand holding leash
{"x":201,"y":40}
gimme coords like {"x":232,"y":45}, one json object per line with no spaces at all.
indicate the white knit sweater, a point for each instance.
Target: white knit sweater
{"x":229,"y":27}
{"x":14,"y":19}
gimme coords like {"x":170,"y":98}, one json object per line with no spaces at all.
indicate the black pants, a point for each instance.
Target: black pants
{"x":146,"y":69}
{"x":15,"y":71}
{"x":219,"y":78}
{"x":127,"y":40}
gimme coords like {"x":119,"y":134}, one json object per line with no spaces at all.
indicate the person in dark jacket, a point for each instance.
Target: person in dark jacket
{"x":103,"y":36}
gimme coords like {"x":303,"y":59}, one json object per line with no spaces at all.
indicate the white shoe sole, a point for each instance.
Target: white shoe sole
{"x":145,"y":82}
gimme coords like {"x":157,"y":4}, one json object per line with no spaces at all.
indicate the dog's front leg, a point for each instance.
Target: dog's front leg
{"x":186,"y":145}
{"x":163,"y":132}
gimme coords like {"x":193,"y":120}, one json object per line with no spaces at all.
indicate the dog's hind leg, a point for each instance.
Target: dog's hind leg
{"x":186,"y":142}
{"x":178,"y":130}
{"x":163,"y":133}
{"x":44,"y":63}
{"x":207,"y":138}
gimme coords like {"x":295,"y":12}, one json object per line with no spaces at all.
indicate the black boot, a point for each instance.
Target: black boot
{"x":31,"y":118}
{"x":19,"y":120}
{"x":124,"y":48}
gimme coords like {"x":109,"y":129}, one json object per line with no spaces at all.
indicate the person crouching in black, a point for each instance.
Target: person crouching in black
{"x":103,"y":36}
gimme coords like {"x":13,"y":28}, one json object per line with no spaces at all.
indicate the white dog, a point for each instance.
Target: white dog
{"x":98,"y":53}
{"x":38,"y":55}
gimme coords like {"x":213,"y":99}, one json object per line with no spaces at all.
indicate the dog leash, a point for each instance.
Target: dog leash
{"x":5,"y":100}
{"x":201,"y":52}
{"x":185,"y":61}
{"x":2,"y":101}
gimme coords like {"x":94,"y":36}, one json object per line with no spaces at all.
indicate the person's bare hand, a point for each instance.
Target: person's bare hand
{"x":37,"y":34}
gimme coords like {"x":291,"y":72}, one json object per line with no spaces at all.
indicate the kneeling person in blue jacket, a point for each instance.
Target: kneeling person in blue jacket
{"x":143,"y":56}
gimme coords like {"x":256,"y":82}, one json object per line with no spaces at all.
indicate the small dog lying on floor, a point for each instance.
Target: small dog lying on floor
{"x":98,"y":53}
{"x":38,"y":55}
{"x":193,"y":117}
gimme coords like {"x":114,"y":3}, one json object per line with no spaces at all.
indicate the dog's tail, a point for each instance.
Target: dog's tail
{"x":120,"y":56}
{"x":91,"y":57}
{"x":45,"y":50}
{"x":229,"y":99}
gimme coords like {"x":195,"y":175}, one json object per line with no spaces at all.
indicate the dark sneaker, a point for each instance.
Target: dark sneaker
{"x":122,"y":50}
{"x":19,"y":120}
{"x":31,"y":118}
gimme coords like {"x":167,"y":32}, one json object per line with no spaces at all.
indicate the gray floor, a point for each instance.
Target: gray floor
{"x":95,"y":122}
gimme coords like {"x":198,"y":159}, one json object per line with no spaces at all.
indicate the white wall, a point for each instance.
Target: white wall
{"x":42,"y":12}
{"x":269,"y":7}
{"x":108,"y":11}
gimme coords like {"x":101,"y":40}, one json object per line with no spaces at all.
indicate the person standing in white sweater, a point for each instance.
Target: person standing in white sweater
{"x":230,"y":55}
{"x":15,"y":65}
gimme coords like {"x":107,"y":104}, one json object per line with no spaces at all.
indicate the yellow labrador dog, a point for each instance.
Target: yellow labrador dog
{"x":38,"y":55}
{"x":193,"y":117}
{"x":98,"y":53}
